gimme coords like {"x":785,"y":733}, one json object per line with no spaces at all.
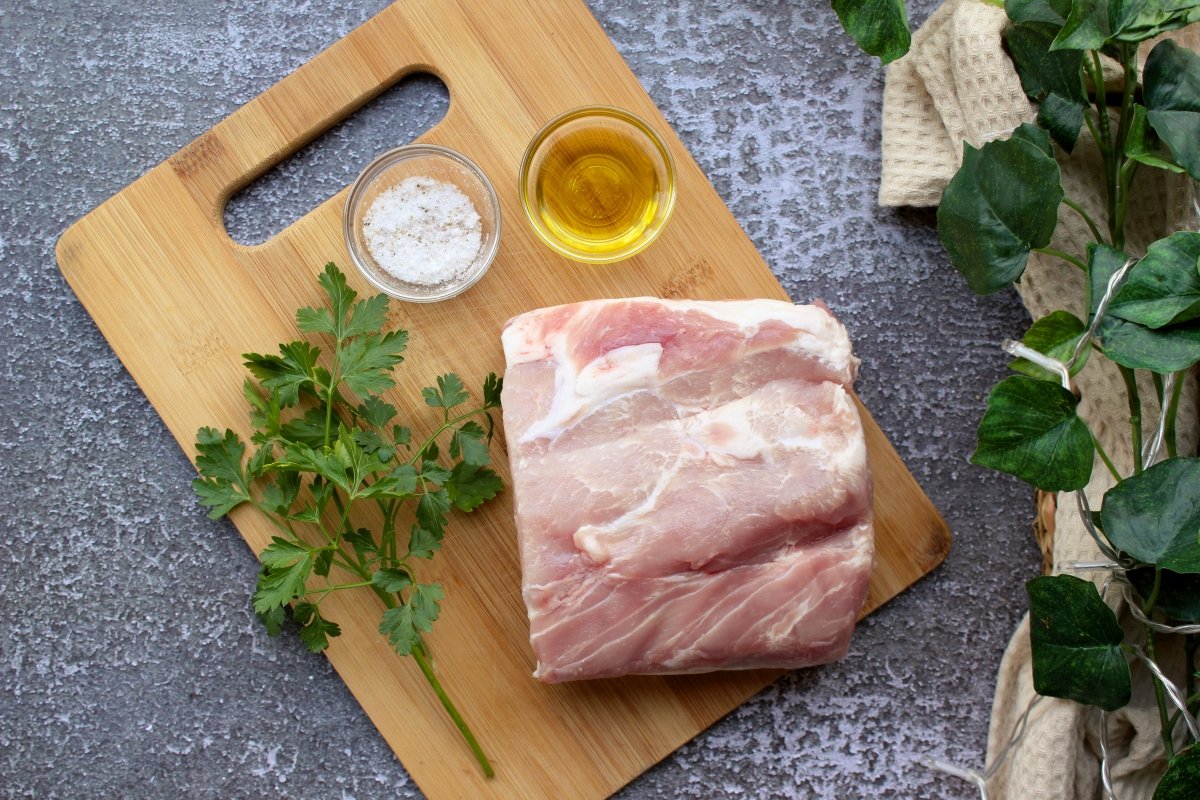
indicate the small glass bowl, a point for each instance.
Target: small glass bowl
{"x":429,"y":161}
{"x":590,"y":171}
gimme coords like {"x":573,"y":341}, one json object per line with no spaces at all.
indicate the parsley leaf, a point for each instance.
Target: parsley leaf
{"x":423,"y":543}
{"x":449,"y":393}
{"x":469,"y":486}
{"x":391,"y":580}
{"x":404,"y":624}
{"x":286,"y":566}
{"x":468,"y":442}
{"x":316,"y":630}
{"x":367,"y":360}
{"x":326,"y":444}
{"x":222,"y":485}
{"x":287,"y":373}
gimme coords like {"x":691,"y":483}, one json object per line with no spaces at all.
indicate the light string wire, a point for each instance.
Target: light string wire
{"x":1150,"y":454}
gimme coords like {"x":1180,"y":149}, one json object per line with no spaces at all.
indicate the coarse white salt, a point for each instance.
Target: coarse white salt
{"x":423,"y":231}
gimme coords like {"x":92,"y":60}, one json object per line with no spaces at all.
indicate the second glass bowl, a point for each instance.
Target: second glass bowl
{"x":597,"y":184}
{"x":422,"y":161}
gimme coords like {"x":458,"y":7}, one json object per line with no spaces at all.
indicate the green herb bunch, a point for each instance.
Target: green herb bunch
{"x":326,"y":443}
{"x":1002,"y":205}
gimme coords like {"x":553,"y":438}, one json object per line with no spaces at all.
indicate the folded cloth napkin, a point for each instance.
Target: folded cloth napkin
{"x":957,"y":84}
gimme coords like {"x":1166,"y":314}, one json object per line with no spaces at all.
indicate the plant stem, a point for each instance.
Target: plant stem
{"x":1152,"y":600}
{"x":338,"y":586}
{"x":1104,"y":457}
{"x":1050,"y":251}
{"x":1069,"y":203}
{"x":1190,"y":643}
{"x":1120,"y":180}
{"x":1135,"y":416}
{"x":1160,"y":696}
{"x":419,"y":655}
{"x":1172,"y":411}
{"x":447,"y":704}
{"x":445,"y":426}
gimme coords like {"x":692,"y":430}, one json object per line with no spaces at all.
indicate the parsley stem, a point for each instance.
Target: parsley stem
{"x":338,"y":586}
{"x":1135,"y":416}
{"x":445,"y":426}
{"x":420,"y":656}
{"x":1069,"y":203}
{"x":1050,"y":251}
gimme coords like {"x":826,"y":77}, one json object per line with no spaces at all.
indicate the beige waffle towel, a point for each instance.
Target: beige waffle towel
{"x":957,"y":84}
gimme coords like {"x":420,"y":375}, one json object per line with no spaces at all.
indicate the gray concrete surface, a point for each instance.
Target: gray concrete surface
{"x":130,"y":664}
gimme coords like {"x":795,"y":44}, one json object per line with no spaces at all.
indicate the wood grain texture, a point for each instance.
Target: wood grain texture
{"x":179,"y":301}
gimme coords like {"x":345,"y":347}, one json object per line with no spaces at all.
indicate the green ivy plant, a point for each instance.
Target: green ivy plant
{"x":1003,"y":205}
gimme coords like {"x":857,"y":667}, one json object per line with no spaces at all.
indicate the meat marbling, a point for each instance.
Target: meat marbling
{"x":691,"y":485}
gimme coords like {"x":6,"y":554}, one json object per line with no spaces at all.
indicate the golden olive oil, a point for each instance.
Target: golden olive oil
{"x":597,"y":190}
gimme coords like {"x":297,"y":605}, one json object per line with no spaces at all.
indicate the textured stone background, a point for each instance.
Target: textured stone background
{"x":130,"y":665}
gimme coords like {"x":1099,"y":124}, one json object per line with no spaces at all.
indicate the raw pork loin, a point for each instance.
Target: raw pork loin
{"x":691,"y":485}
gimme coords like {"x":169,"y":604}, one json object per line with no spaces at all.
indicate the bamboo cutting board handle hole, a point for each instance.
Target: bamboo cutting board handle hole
{"x":396,"y":117}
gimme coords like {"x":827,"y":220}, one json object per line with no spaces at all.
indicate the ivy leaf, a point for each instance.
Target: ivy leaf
{"x":1129,"y":344}
{"x":1155,"y":516}
{"x":316,"y":630}
{"x":1031,"y":430}
{"x":448,"y":394}
{"x":1181,"y":778}
{"x":879,"y":27}
{"x":1164,"y":288}
{"x":1052,"y":78}
{"x":404,"y":624}
{"x":470,"y":486}
{"x":1094,"y":23}
{"x":1171,"y":84}
{"x":1076,"y":643}
{"x":1143,"y":145}
{"x":1054,"y":335}
{"x":1178,"y":595}
{"x":1052,"y":12}
{"x":1001,"y":204}
{"x":1062,"y":118}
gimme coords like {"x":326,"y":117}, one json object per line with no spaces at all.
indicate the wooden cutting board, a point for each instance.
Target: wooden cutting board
{"x":179,"y":301}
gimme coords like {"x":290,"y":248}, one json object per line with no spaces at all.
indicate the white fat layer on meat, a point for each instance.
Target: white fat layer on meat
{"x":580,"y":390}
{"x":616,"y":373}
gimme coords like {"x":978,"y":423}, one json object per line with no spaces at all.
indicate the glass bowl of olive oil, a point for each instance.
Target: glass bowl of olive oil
{"x":598,"y":184}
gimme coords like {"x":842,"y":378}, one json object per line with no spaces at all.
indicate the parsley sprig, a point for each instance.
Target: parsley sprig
{"x":325,"y":443}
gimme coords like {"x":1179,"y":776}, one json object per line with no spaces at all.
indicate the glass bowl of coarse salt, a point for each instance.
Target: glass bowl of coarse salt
{"x":422,"y":223}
